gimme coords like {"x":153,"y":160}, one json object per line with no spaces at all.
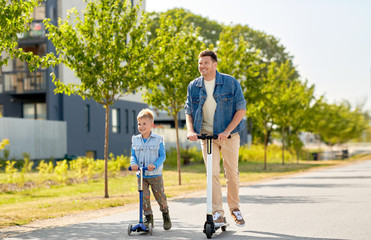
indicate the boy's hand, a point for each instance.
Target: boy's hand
{"x":151,"y":167}
{"x":134,"y":167}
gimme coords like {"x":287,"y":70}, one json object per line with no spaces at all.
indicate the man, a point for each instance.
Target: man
{"x":215,"y":105}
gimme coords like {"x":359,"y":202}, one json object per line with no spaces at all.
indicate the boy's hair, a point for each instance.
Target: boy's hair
{"x":210,"y":53}
{"x":146,"y":113}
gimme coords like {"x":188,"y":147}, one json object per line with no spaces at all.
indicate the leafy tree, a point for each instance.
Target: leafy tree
{"x":15,"y":18}
{"x":287,"y":102}
{"x":262,"y":103}
{"x":338,"y":123}
{"x":209,"y":29}
{"x":106,"y":49}
{"x":265,"y":50}
{"x":293,"y":109}
{"x":302,"y":118}
{"x":174,"y":55}
{"x":235,"y":57}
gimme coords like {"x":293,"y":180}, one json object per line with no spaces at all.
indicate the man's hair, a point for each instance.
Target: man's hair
{"x":145,"y":113}
{"x":210,"y":53}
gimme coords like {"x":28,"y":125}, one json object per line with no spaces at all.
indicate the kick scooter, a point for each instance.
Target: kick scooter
{"x":209,"y":226}
{"x":140,"y":227}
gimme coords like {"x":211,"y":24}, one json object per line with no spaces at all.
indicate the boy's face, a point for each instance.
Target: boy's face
{"x":145,"y":126}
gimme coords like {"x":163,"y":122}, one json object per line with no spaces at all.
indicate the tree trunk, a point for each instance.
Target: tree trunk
{"x":307,"y":146}
{"x":265,"y":148}
{"x":106,"y":153}
{"x":283,"y":146}
{"x":178,"y":148}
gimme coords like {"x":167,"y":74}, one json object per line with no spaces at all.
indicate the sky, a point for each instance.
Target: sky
{"x":330,"y":40}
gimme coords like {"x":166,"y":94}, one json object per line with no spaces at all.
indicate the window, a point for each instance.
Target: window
{"x":17,"y":78}
{"x":126,"y":121}
{"x":134,"y":122}
{"x":37,"y":27}
{"x":91,"y":154}
{"x":87,"y":118}
{"x":34,"y":111}
{"x":39,"y":12}
{"x":115,"y":120}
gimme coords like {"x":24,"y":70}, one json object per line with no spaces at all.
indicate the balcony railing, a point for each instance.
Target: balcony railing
{"x":37,"y":30}
{"x":24,"y":82}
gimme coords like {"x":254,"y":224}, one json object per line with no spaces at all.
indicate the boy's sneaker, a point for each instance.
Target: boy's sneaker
{"x":237,"y":216}
{"x":219,"y":220}
{"x":167,"y":221}
{"x":148,"y":219}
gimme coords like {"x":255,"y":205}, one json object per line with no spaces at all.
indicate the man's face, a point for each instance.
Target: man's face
{"x":207,"y":67}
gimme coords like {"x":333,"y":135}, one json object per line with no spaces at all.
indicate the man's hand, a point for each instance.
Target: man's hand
{"x":134,"y":167}
{"x":151,"y":167}
{"x":192,"y":136}
{"x":223,"y":135}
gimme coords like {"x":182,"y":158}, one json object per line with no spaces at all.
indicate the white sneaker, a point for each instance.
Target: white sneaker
{"x":237,"y":216}
{"x":219,"y":220}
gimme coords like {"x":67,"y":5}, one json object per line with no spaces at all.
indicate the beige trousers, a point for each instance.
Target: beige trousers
{"x":229,"y":149}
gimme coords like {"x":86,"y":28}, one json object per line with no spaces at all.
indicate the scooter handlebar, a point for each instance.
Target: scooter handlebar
{"x":209,"y":136}
{"x":144,"y":168}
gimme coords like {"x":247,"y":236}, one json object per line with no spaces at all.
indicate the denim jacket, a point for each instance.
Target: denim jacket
{"x":146,"y":153}
{"x":228,"y":96}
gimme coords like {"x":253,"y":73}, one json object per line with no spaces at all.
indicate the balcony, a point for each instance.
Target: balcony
{"x":36,"y":31}
{"x":23,"y":82}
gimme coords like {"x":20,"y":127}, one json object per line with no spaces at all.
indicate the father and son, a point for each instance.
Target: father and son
{"x":215,"y":105}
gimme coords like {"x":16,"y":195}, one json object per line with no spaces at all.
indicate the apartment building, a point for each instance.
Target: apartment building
{"x":30,"y":95}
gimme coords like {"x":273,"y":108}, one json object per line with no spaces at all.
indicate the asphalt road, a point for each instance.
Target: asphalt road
{"x":334,"y":203}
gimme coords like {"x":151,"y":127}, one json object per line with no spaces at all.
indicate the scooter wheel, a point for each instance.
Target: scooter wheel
{"x":150,"y":229}
{"x":129,"y":229}
{"x":224,"y":228}
{"x":208,"y":230}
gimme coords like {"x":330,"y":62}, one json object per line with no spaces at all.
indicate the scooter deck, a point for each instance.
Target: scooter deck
{"x":223,"y":226}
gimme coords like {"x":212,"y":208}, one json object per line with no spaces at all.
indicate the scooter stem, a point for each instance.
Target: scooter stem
{"x":209,"y":176}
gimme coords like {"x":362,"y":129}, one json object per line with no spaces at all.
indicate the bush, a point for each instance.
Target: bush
{"x":187,"y":156}
{"x":11,"y":172}
{"x":45,"y":171}
{"x":255,"y":153}
{"x":61,"y":171}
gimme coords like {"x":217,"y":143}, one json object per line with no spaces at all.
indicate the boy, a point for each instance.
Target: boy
{"x":148,"y":151}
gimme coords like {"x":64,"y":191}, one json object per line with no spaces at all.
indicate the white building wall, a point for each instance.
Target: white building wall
{"x":169,"y":135}
{"x":40,"y":138}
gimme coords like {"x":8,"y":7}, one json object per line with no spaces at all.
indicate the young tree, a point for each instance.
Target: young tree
{"x":106,"y":49}
{"x":338,"y":123}
{"x":302,"y":111}
{"x":209,"y":30}
{"x":262,"y":103}
{"x":292,"y":108}
{"x":15,"y":19}
{"x":174,"y":55}
{"x":235,"y":56}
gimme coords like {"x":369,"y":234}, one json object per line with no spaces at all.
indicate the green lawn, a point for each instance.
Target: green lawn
{"x":25,"y":206}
